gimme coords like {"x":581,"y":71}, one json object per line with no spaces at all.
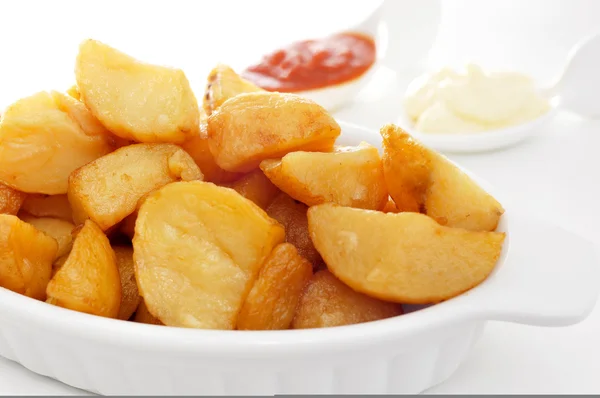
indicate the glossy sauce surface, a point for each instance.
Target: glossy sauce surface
{"x":314,"y":64}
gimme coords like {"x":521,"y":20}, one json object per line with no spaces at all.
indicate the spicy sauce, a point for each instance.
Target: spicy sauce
{"x":313,"y":64}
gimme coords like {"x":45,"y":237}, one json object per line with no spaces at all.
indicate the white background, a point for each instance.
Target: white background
{"x":555,"y":175}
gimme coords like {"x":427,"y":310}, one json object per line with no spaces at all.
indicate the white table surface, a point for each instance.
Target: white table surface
{"x":555,"y":175}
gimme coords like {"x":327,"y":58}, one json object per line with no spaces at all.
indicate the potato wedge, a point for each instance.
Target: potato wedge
{"x":142,"y":315}
{"x":272,"y":302}
{"x":198,"y":248}
{"x":292,"y":215}
{"x":130,"y":296}
{"x":256,"y":187}
{"x":55,"y":206}
{"x":327,"y":302}
{"x":73,"y":91}
{"x":88,"y":281}
{"x":405,"y":257}
{"x":26,"y":256}
{"x":223,"y":83}
{"x":11,"y":200}
{"x":108,"y":189}
{"x":252,"y":127}
{"x":59,"y":229}
{"x":197,"y":147}
{"x":43,"y":138}
{"x":407,"y":169}
{"x":135,"y":100}
{"x":421,"y":180}
{"x":348,"y":176}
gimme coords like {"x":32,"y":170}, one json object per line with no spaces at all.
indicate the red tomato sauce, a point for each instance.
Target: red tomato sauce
{"x":313,"y":64}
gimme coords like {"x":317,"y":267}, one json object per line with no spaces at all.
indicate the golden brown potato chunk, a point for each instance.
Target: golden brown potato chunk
{"x":349,"y":176}
{"x":88,"y":281}
{"x":59,"y":229}
{"x":43,"y":138}
{"x":135,"y":100}
{"x":142,"y":315}
{"x":407,"y":169}
{"x":272,"y":302}
{"x":108,"y":189}
{"x":252,"y":127}
{"x":327,"y":302}
{"x":256,"y":187}
{"x":55,"y":206}
{"x":198,"y":149}
{"x":292,"y":215}
{"x":26,"y":256}
{"x":405,"y":257}
{"x":421,"y":180}
{"x":130,"y":296}
{"x":198,"y":248}
{"x":73,"y":91}
{"x":11,"y":200}
{"x":223,"y":83}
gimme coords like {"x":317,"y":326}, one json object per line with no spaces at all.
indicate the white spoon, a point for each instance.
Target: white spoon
{"x":576,"y":89}
{"x":578,"y":84}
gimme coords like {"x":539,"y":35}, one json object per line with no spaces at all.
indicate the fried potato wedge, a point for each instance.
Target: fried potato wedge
{"x":252,"y":127}
{"x":407,"y":169}
{"x":130,"y":296}
{"x":73,"y":91}
{"x":26,"y":256}
{"x":59,"y":229}
{"x":88,"y":281}
{"x":421,"y":180}
{"x":197,"y":147}
{"x":136,"y":100}
{"x":271,"y":304}
{"x":223,"y":83}
{"x":108,"y":189}
{"x":198,"y":249}
{"x":292,"y":215}
{"x":11,"y":200}
{"x":405,"y":257}
{"x":327,"y":302}
{"x":256,"y":187}
{"x":348,"y":176}
{"x":43,"y":138}
{"x":55,"y":206}
{"x":142,"y":315}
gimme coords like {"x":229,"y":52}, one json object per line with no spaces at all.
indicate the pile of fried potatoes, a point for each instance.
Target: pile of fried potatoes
{"x":125,"y":198}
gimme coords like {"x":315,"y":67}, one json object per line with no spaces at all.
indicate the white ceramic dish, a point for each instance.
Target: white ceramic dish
{"x":485,"y":140}
{"x":546,"y":276}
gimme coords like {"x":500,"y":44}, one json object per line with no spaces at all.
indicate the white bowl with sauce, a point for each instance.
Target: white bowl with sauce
{"x":474,"y":111}
{"x":345,"y":63}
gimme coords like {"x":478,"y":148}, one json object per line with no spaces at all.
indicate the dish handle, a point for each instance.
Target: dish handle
{"x":550,"y":277}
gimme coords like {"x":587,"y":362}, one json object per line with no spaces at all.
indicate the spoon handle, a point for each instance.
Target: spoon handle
{"x":578,"y":86}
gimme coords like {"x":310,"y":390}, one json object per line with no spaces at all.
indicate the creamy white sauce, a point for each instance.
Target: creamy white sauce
{"x":472,"y":101}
